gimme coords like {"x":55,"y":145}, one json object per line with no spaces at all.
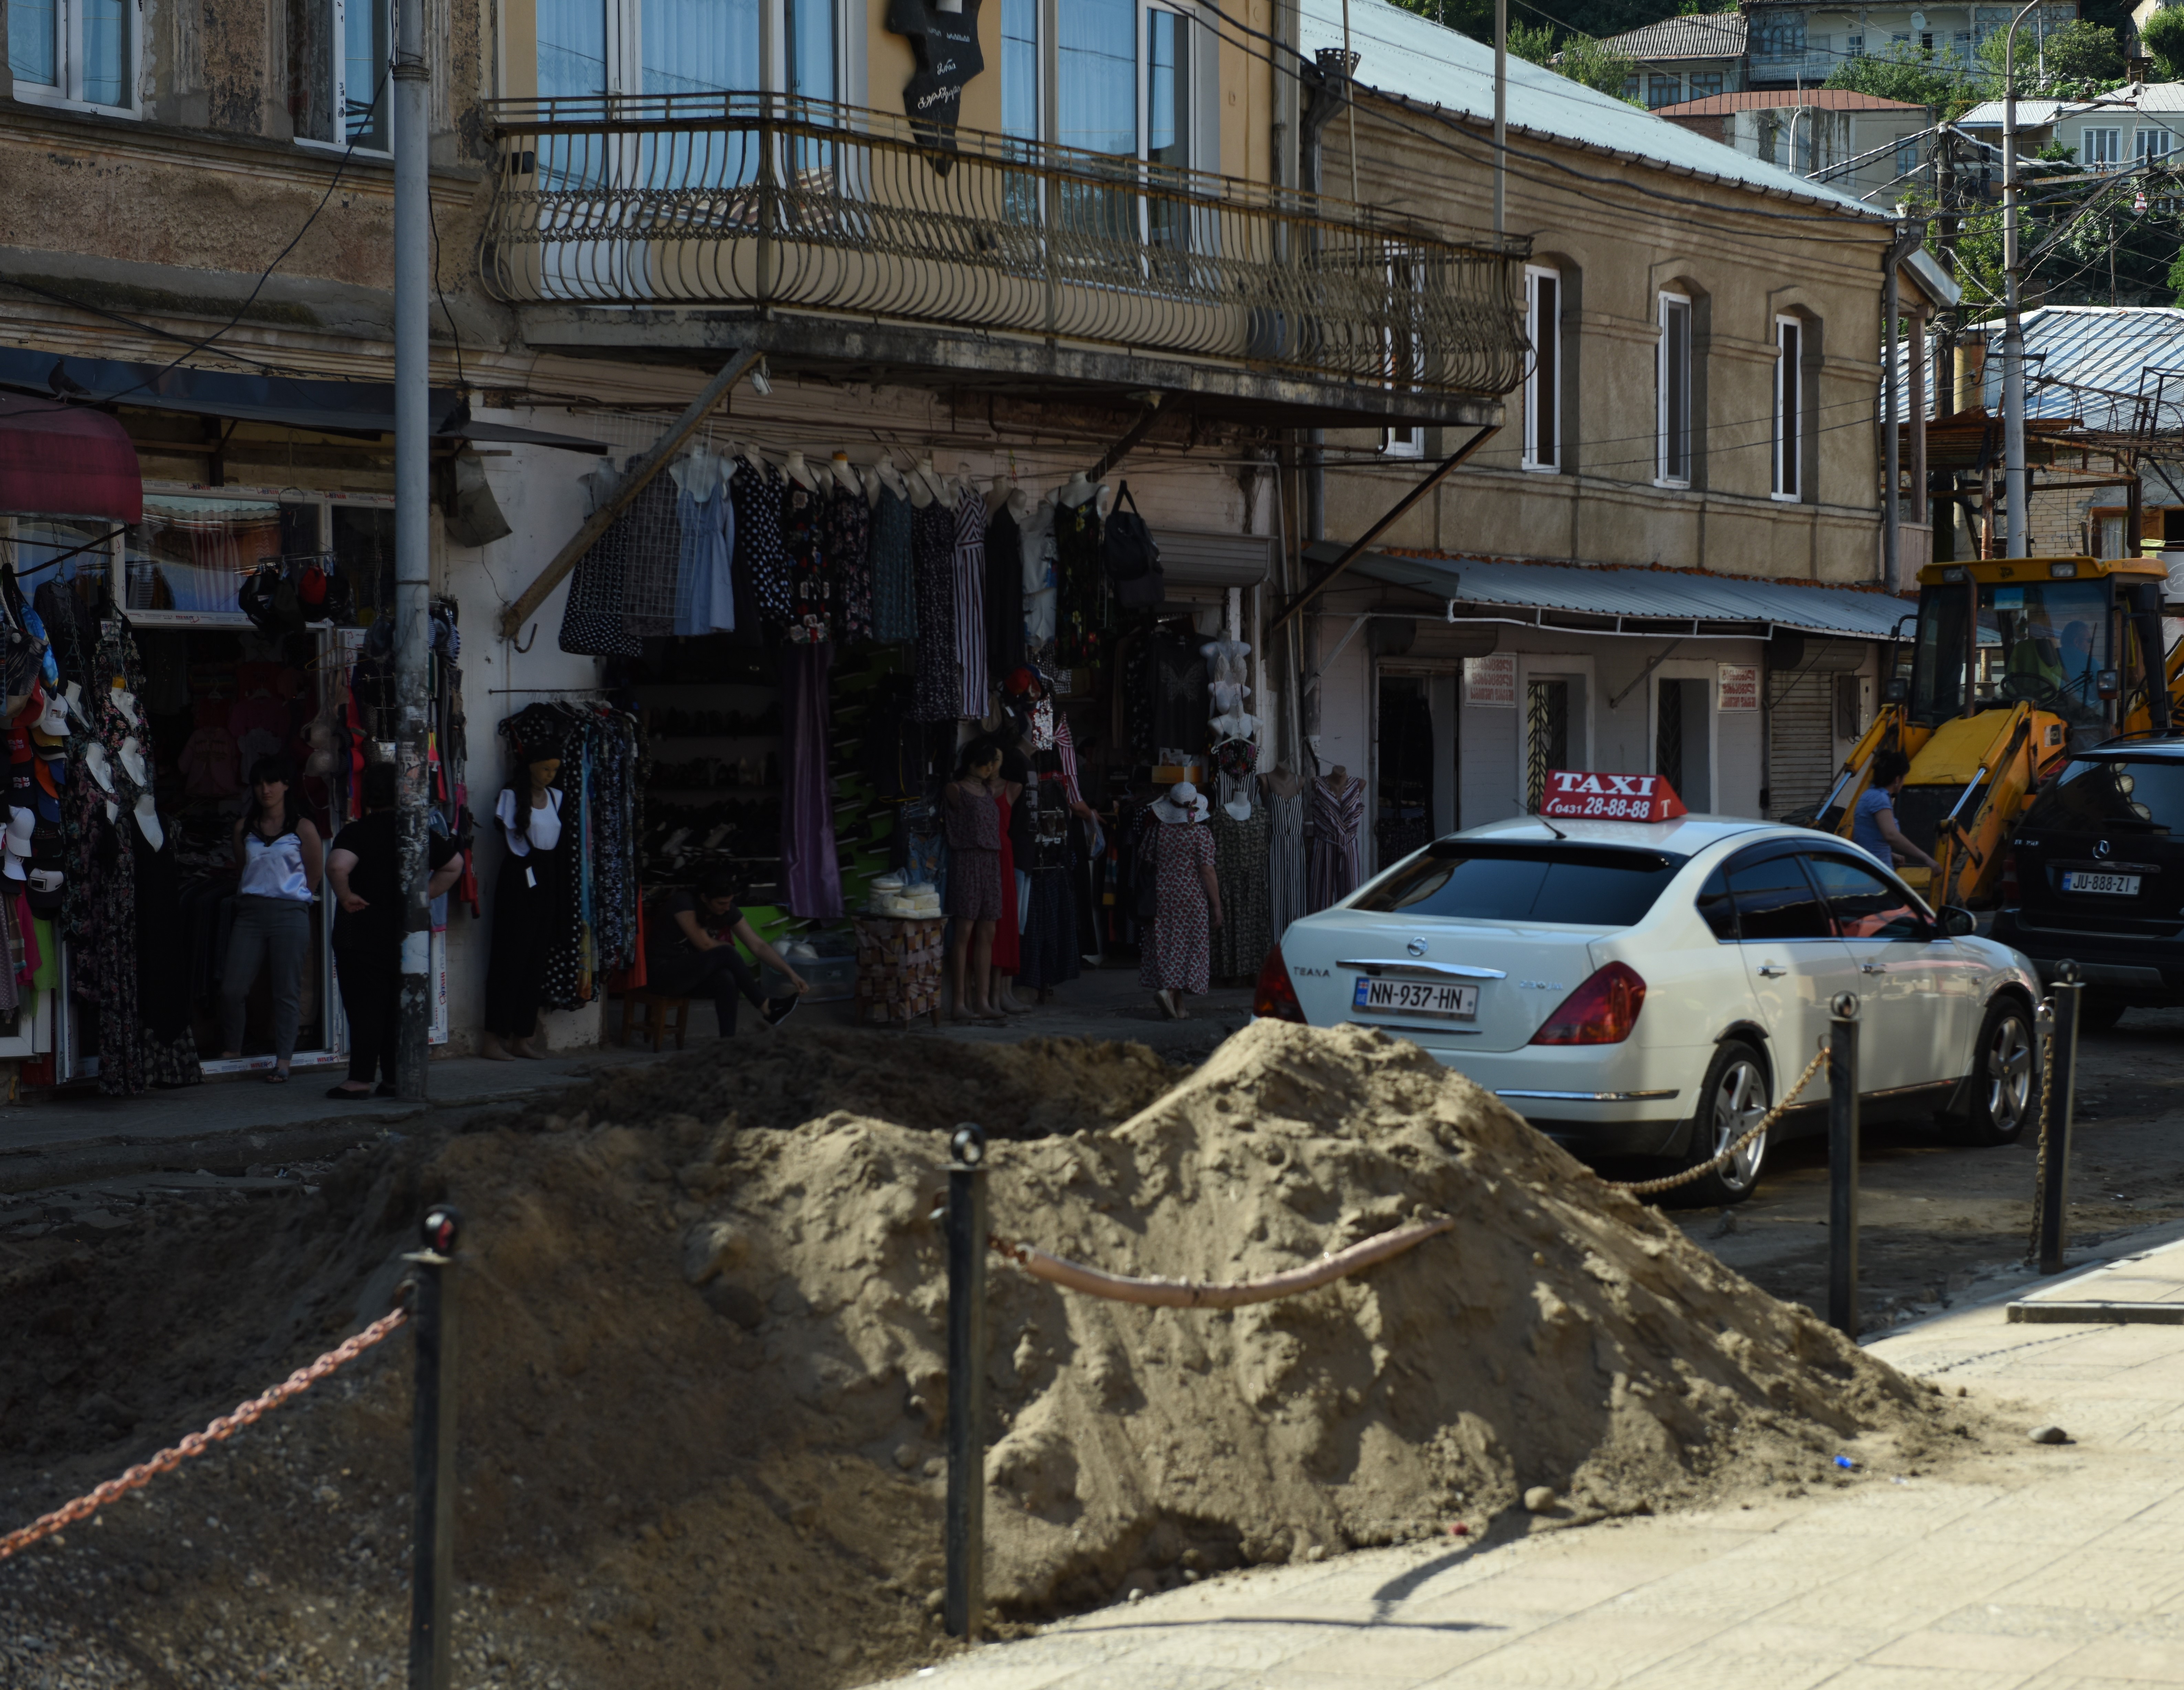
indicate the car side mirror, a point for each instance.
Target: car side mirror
{"x":1958,"y":923}
{"x":1895,"y":690}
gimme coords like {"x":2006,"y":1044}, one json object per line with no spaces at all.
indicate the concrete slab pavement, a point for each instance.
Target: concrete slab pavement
{"x":2042,"y":1568}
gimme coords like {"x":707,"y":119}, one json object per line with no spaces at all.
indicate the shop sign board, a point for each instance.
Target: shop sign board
{"x":1740,"y":687}
{"x":1585,"y":795}
{"x":1491,"y":682}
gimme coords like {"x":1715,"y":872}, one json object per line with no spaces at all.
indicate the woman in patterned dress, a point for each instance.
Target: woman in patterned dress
{"x":973,"y":818}
{"x":1178,"y":944}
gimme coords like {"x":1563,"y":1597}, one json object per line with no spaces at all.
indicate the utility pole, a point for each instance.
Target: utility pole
{"x":2013,"y":334}
{"x":1501,"y":115}
{"x":413,"y":531}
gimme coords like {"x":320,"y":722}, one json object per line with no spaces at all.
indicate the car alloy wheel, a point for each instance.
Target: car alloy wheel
{"x":2008,"y":1059}
{"x":1740,"y":1100}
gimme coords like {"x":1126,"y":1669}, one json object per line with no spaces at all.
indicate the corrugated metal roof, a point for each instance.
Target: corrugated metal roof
{"x":1415,"y":58}
{"x":2132,"y":97}
{"x":1723,"y":605}
{"x":2085,"y":361}
{"x":2030,"y":113}
{"x":1769,"y":99}
{"x":1713,"y":34}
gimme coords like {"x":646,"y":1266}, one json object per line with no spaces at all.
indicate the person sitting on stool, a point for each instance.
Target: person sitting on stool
{"x":687,"y":954}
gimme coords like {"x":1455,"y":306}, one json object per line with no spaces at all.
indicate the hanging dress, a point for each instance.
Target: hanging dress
{"x":1038,"y":578}
{"x":1080,"y":639}
{"x":760,"y":556}
{"x":810,"y":569}
{"x":526,"y":893}
{"x":969,"y":580}
{"x":940,"y":672}
{"x":705,"y":583}
{"x":811,"y":875}
{"x":1177,"y":956}
{"x":849,"y":541}
{"x":894,"y":581}
{"x":1284,"y":861}
{"x":1239,"y":863}
{"x":1336,"y":816}
{"x":1005,"y":599}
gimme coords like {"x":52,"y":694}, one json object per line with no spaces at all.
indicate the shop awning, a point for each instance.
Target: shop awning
{"x":63,"y":461}
{"x":360,"y":408}
{"x":1609,"y":599}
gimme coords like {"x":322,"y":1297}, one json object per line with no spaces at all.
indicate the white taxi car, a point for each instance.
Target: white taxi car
{"x":1648,"y":988}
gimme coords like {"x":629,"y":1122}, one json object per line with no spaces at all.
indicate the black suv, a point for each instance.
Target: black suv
{"x":2100,"y":877}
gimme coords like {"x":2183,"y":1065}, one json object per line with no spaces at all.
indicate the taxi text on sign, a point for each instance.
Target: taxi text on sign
{"x":1584,"y":795}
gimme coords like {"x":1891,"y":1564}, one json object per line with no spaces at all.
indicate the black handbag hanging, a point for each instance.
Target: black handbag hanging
{"x":1132,"y":555}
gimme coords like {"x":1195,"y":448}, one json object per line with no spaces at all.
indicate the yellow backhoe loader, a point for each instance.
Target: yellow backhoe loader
{"x":2017,"y":663}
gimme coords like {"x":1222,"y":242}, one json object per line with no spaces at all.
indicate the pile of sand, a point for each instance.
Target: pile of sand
{"x":738,"y":1483}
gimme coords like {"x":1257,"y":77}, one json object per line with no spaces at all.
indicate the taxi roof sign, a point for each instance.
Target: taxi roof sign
{"x":1590,"y":796}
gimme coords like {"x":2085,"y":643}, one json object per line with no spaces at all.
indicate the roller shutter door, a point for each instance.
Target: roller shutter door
{"x":1800,"y":740}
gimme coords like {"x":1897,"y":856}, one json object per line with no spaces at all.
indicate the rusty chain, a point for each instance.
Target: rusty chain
{"x":2043,"y":1033}
{"x":1646,"y":1188}
{"x":198,"y":1443}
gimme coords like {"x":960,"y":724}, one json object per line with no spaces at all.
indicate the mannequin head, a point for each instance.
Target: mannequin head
{"x":980,"y":759}
{"x":544,"y":765}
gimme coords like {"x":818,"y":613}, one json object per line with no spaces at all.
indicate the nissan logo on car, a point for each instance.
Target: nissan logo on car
{"x":1417,"y":947}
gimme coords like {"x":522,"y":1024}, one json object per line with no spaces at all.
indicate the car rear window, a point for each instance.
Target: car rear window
{"x":2130,"y":793}
{"x":1584,"y":885}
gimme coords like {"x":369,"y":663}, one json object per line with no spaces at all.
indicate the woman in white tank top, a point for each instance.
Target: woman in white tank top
{"x":278,"y":858}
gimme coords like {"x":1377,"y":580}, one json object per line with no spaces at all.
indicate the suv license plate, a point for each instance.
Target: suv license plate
{"x":1412,"y":997}
{"x":2079,"y":880}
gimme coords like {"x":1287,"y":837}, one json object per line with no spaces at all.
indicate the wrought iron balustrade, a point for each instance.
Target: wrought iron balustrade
{"x":805,"y":206}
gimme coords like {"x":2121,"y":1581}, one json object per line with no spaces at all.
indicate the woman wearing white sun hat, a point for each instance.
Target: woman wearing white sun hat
{"x":1178,"y":944}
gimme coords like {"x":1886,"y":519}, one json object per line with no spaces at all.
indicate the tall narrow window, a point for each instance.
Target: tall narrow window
{"x":1020,"y":88}
{"x":1096,"y":87}
{"x":2102,"y":148}
{"x":339,"y":91}
{"x":33,"y":46}
{"x":1673,"y":385}
{"x":2153,"y":143}
{"x":572,"y":48}
{"x":1789,"y":407}
{"x":694,"y":47}
{"x":1543,"y":411}
{"x":1167,"y":88}
{"x":366,"y":100}
{"x":810,"y":49}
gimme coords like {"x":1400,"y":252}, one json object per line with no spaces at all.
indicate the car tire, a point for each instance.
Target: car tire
{"x":1735,"y":1095}
{"x":2099,"y":1012}
{"x":2003,"y":1086}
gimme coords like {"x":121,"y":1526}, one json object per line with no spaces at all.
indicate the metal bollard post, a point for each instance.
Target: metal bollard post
{"x":2062,"y":1096}
{"x":433,"y":1451}
{"x":1842,"y":1165}
{"x":966,"y":1383}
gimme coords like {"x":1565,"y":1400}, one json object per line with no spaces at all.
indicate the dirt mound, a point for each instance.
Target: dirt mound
{"x":738,"y":1483}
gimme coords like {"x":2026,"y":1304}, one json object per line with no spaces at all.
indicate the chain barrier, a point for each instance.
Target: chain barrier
{"x":2043,"y":1033}
{"x":1195,"y":1294}
{"x":198,"y":1443}
{"x":1646,"y":1188}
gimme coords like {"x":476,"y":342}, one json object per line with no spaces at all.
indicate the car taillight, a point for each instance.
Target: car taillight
{"x":1601,"y":1012}
{"x":1276,"y":999}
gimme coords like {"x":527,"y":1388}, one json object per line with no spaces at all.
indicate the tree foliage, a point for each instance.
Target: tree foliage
{"x":1916,"y":75}
{"x":2164,"y":39}
{"x":2079,"y":60}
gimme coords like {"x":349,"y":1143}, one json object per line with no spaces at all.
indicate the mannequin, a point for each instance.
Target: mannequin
{"x":525,"y":897}
{"x":886,"y":475}
{"x":94,"y":760}
{"x":147,"y":821}
{"x":125,"y":702}
{"x":935,"y":484}
{"x":799,"y":472}
{"x":1338,"y":777}
{"x":1018,"y":501}
{"x":132,"y":761}
{"x":1077,"y":490}
{"x":751,"y":455}
{"x":1283,"y":783}
{"x":845,"y":474}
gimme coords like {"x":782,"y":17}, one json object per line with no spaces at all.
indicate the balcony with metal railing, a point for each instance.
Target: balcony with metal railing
{"x":825,"y":233}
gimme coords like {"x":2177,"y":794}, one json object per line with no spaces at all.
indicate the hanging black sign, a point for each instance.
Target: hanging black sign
{"x":948,"y":56}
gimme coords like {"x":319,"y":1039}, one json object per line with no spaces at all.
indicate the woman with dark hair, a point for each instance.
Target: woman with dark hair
{"x":1873,"y":820}
{"x":278,"y":860}
{"x":690,"y":951}
{"x":970,"y":808}
{"x":527,"y":900}
{"x":364,"y":872}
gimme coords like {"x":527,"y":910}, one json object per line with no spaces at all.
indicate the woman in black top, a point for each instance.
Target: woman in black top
{"x":365,"y":870}
{"x":690,"y":951}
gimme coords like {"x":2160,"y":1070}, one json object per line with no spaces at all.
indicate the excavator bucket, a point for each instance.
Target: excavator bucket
{"x":1966,"y":789}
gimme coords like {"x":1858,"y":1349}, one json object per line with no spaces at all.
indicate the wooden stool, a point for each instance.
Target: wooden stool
{"x":654,"y":1007}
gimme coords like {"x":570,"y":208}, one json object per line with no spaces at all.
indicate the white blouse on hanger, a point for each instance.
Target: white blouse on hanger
{"x":545,"y":824}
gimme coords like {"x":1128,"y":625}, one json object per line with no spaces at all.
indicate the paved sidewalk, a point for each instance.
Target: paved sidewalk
{"x":2044,"y":1567}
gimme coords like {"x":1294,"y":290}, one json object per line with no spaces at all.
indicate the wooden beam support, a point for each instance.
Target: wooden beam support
{"x":1393,"y":514}
{"x":639,"y":476}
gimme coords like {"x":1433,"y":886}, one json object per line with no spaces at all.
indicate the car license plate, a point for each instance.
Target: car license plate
{"x":2081,"y":880}
{"x":1416,"y":997}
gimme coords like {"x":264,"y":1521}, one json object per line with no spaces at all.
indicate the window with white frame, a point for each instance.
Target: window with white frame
{"x":339,"y":91}
{"x":1543,"y":383}
{"x":1854,"y":46}
{"x":1023,"y":80}
{"x":1908,"y":150}
{"x":2100,"y":149}
{"x":2151,"y":144}
{"x":685,"y":46}
{"x":1664,"y":89}
{"x":74,"y":52}
{"x":1405,"y":357}
{"x":1125,"y":79}
{"x":1672,"y":393}
{"x":1789,"y":408}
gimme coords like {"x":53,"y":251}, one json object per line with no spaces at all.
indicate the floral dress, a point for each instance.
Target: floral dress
{"x":760,"y":556}
{"x":939,"y":670}
{"x":1176,"y":953}
{"x":849,"y":542}
{"x":804,"y":515}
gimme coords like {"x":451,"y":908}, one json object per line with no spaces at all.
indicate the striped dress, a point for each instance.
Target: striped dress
{"x":971,"y":600}
{"x":1331,"y":871}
